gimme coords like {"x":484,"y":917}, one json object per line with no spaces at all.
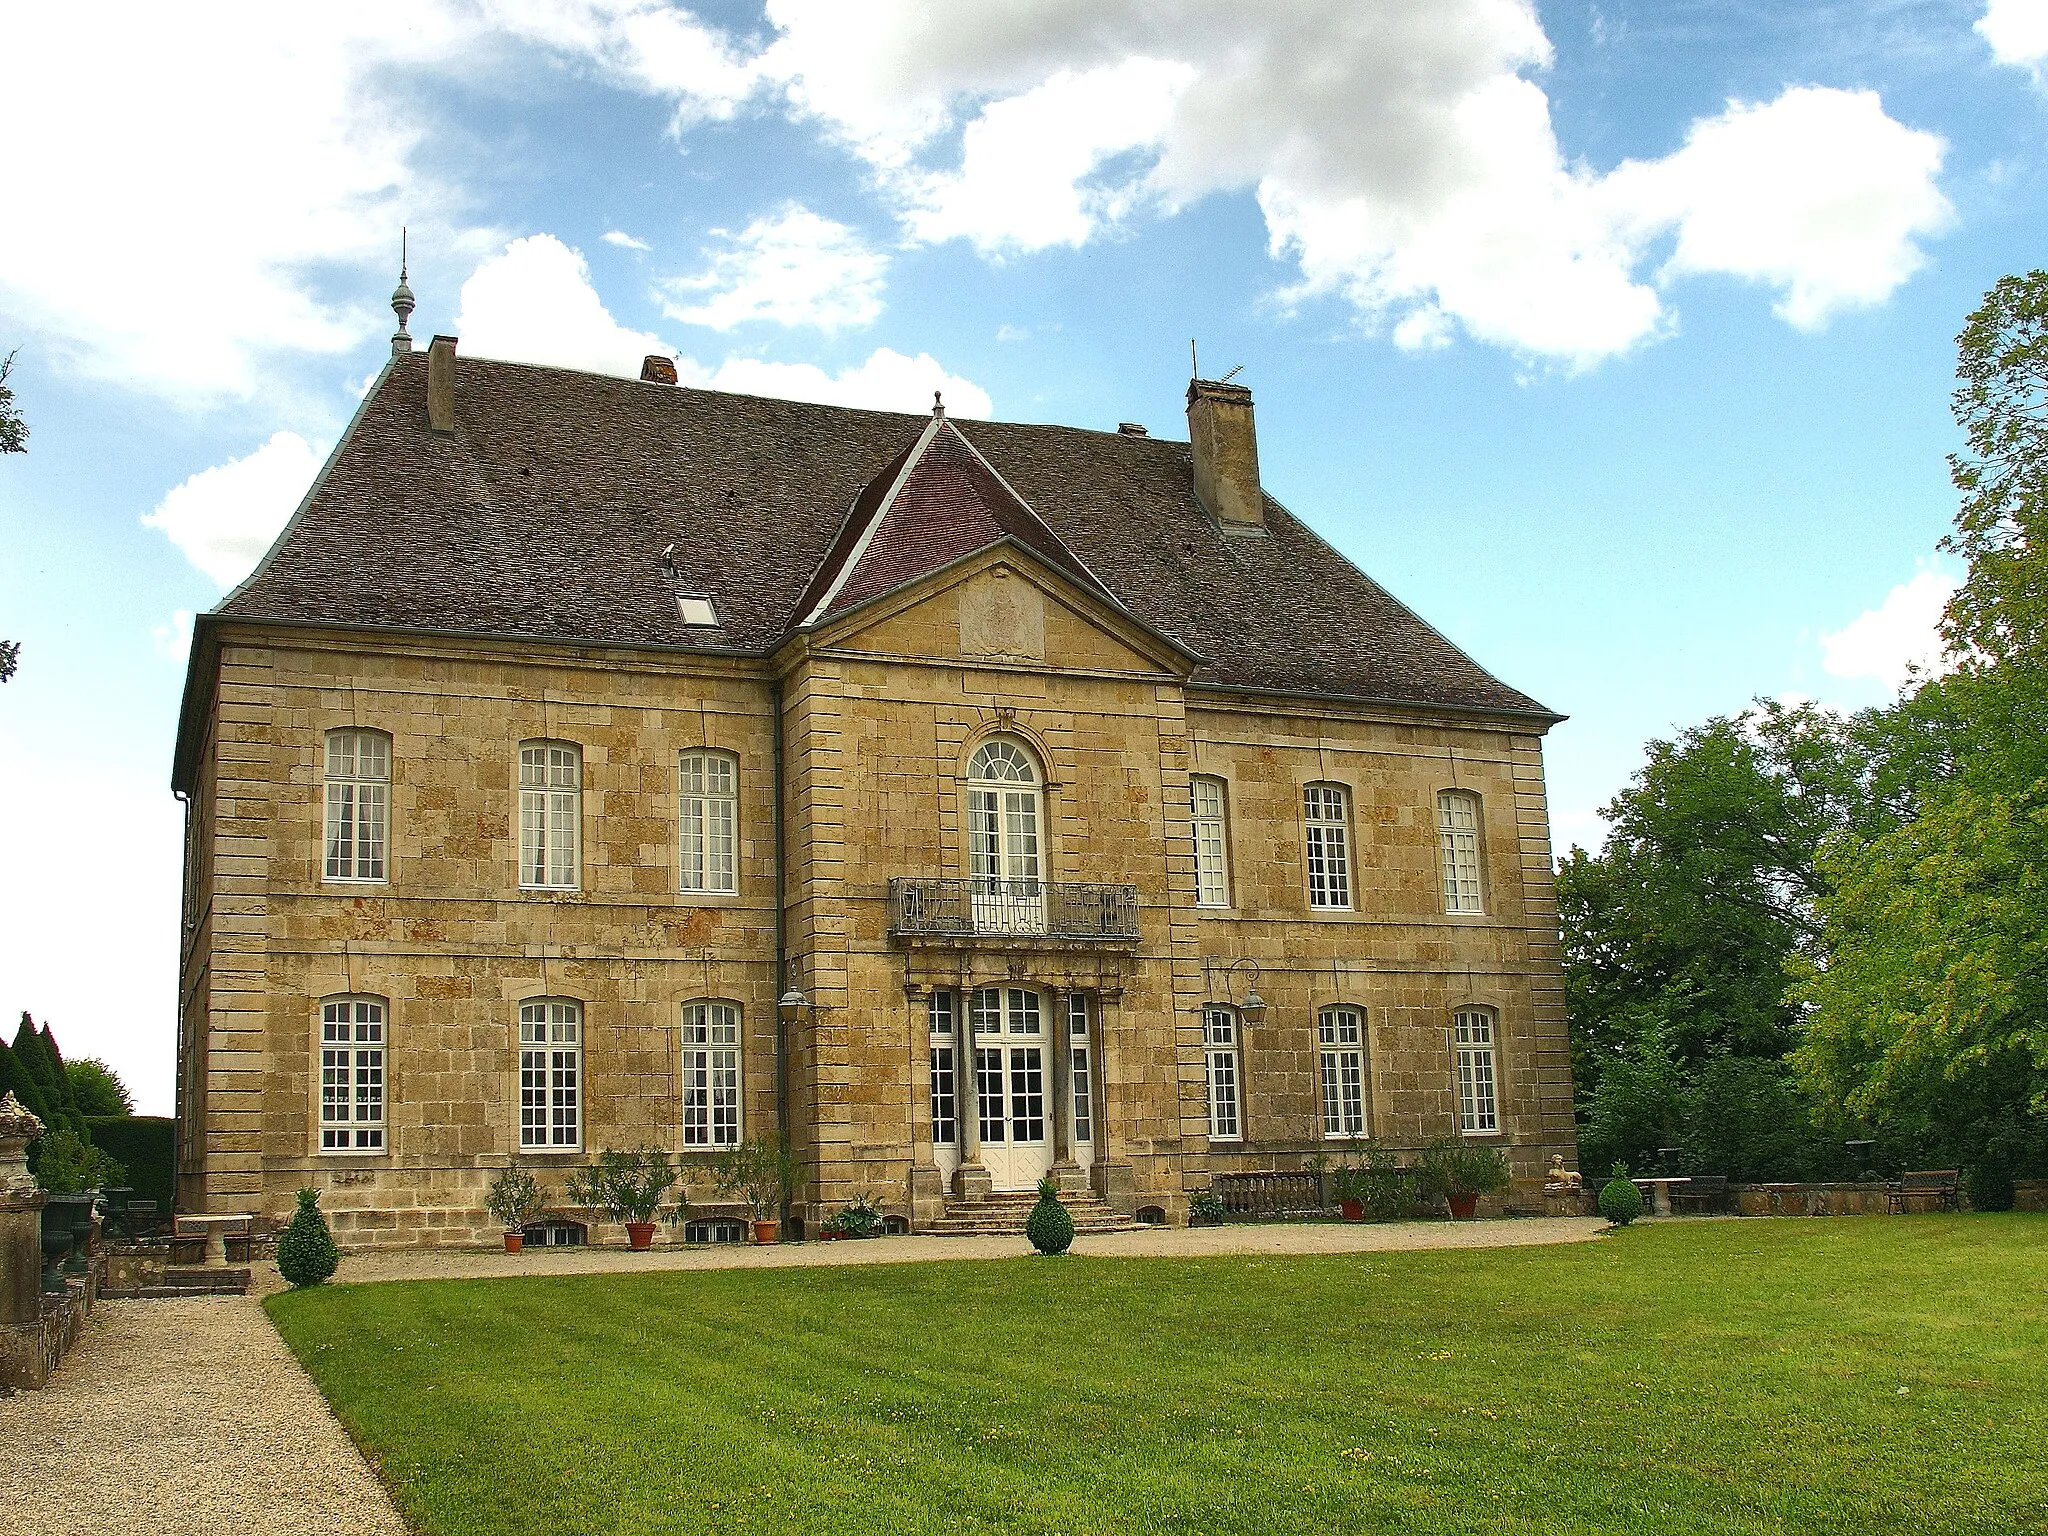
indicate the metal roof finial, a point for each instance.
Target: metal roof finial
{"x":938,"y":405}
{"x":402,"y":300}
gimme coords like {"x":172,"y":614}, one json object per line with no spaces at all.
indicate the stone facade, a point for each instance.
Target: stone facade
{"x":874,"y":717}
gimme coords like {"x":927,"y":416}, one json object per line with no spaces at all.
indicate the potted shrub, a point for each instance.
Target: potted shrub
{"x":859,"y":1217}
{"x":763,"y":1172}
{"x":1348,"y":1184}
{"x":1206,"y":1209}
{"x":1049,"y":1226}
{"x":1461,"y":1171}
{"x":514,"y":1199}
{"x":626,"y":1186}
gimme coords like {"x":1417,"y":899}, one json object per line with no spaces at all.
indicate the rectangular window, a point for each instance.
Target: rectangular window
{"x":945,"y":1085}
{"x":710,"y":822}
{"x":1083,"y":1068}
{"x":550,"y":815}
{"x":1477,"y":1114}
{"x":551,"y":1075}
{"x":1342,"y":1037}
{"x":1219,"y":1040}
{"x":711,"y":1075}
{"x":1457,"y":835}
{"x":352,"y":1075}
{"x":1212,"y":845}
{"x":358,"y":801}
{"x":1329,"y":850}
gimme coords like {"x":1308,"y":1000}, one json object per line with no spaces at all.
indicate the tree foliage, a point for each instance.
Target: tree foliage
{"x":97,"y":1089}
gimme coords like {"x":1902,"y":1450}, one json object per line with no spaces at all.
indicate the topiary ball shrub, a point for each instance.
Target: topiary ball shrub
{"x":1621,"y":1202}
{"x":306,"y":1254}
{"x":1989,"y":1184}
{"x":1049,"y":1227}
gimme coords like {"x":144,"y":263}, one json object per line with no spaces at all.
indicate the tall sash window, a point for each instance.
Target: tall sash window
{"x":551,"y":1075}
{"x":1003,"y":862}
{"x":352,"y":1075}
{"x":358,"y":804}
{"x":1325,"y":821}
{"x":711,"y":1075}
{"x":1212,"y":844}
{"x":1478,"y":1114}
{"x":1457,"y":835}
{"x":1219,"y":1041}
{"x":710,"y":822}
{"x":550,"y":815}
{"x":1342,"y":1039}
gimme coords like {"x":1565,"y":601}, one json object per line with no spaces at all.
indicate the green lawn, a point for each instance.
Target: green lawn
{"x":1845,"y":1376}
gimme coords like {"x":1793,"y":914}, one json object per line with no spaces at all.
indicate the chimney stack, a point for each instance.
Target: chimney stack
{"x":1226,"y":446}
{"x":656,"y":369}
{"x":441,"y":384}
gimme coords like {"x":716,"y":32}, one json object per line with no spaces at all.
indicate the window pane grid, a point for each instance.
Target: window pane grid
{"x":550,"y":1075}
{"x":550,"y":816}
{"x":710,"y":822}
{"x":1457,"y":815}
{"x":711,"y":1075}
{"x":1212,"y":854}
{"x":1219,"y":1035}
{"x":1083,"y":1084}
{"x":357,"y":805}
{"x":352,"y":1076}
{"x":1341,"y":1034}
{"x":1477,"y":1108}
{"x":1329,"y":861}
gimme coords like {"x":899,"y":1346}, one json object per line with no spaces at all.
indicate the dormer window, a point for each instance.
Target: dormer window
{"x":697,"y":612}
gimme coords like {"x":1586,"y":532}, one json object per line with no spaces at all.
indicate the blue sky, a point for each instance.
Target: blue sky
{"x":1616,"y":339}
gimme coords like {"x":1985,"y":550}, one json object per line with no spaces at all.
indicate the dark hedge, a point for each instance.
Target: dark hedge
{"x":146,"y":1146}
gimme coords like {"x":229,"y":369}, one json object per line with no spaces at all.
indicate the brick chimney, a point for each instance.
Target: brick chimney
{"x":441,"y":384}
{"x":1226,"y":449}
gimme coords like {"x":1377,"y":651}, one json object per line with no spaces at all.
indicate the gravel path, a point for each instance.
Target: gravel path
{"x":1161,"y":1242}
{"x":184,"y":1418}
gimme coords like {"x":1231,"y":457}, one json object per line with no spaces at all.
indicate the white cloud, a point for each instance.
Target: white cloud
{"x":173,"y":641}
{"x":1887,"y":642}
{"x":2017,"y":31}
{"x":1401,"y":151}
{"x":224,"y":518}
{"x":534,"y":303}
{"x":621,"y":238}
{"x":790,"y":268}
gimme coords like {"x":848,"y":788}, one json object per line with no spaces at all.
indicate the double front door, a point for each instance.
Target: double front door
{"x":1012,"y":1086}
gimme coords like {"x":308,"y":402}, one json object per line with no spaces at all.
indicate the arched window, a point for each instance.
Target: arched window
{"x":352,"y":1074}
{"x":1325,"y":816}
{"x":358,"y":805}
{"x":711,"y":1074}
{"x":1212,"y":843}
{"x":709,"y":844}
{"x":1478,"y":1113}
{"x":1003,"y":861}
{"x":551,"y":1075}
{"x":1457,"y":835}
{"x":550,"y":815}
{"x":1341,"y":1036}
{"x":1219,"y":1043}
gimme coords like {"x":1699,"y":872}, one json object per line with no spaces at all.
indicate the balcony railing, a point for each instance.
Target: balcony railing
{"x":983,"y":908}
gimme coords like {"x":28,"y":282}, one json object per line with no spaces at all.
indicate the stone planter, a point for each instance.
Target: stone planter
{"x":766,"y":1232}
{"x":640,"y":1235}
{"x":514,"y":1241}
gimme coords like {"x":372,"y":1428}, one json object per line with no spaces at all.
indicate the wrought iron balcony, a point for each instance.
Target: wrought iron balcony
{"x":985,"y":908}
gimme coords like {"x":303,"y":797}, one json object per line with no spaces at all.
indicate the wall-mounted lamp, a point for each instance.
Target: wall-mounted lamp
{"x":1253,"y":1008}
{"x":793,"y":1005}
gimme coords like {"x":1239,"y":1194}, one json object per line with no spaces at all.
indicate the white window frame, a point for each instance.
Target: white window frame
{"x":1209,"y":805}
{"x":942,"y":1016}
{"x":1475,"y":1030}
{"x":550,"y":815}
{"x":354,"y":1040}
{"x":712,"y":1100}
{"x":1457,"y":835}
{"x":1222,"y":1073}
{"x":356,"y":831}
{"x":551,"y":1075}
{"x":1326,"y":833}
{"x":708,"y":841}
{"x":1341,"y":1043}
{"x":1081,"y":1068}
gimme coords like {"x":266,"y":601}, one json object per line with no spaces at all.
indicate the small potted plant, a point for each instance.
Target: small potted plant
{"x":626,"y":1186}
{"x":1206,"y":1209}
{"x":514,"y":1199}
{"x":1348,"y":1185}
{"x":763,"y":1172}
{"x":1462,"y":1171}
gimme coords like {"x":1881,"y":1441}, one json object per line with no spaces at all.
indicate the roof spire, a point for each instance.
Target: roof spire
{"x":402,"y":300}
{"x":938,"y":406}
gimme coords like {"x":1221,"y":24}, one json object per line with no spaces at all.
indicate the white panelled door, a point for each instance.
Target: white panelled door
{"x":1013,"y":1085}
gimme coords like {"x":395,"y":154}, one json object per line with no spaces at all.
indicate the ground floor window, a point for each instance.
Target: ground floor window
{"x":1219,"y":1040}
{"x":1341,"y":1034}
{"x":1083,"y":1067}
{"x":551,"y":1075}
{"x":352,"y":1075}
{"x":945,"y":1071}
{"x":1477,"y":1112}
{"x":711,"y":1075}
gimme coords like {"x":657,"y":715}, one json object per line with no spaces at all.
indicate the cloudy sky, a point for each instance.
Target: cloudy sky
{"x":1616,"y":338}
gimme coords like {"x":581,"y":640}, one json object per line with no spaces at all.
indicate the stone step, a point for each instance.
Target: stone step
{"x":197,"y":1280}
{"x":1003,"y":1214}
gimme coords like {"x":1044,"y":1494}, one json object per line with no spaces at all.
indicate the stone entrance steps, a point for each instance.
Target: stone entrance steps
{"x":1003,"y":1214}
{"x":195,"y":1280}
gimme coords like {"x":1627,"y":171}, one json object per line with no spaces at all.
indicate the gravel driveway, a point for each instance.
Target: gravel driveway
{"x":184,"y":1418}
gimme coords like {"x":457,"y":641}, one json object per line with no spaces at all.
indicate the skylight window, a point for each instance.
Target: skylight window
{"x":697,"y":612}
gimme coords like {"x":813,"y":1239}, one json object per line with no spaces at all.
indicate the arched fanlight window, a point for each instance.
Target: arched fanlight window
{"x":1002,"y":762}
{"x":1003,"y":860}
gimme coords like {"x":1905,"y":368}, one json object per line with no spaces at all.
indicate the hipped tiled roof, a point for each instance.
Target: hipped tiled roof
{"x":546,"y":513}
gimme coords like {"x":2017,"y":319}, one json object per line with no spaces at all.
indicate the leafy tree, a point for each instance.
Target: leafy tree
{"x":97,"y":1088}
{"x":1929,"y":1002}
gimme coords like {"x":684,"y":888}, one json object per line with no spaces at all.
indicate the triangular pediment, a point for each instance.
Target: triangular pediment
{"x":1004,"y":606}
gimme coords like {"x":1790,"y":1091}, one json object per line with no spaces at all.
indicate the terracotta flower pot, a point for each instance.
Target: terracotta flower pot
{"x":767,"y":1231}
{"x":1354,"y":1210}
{"x":1463,"y":1206}
{"x":640,"y":1235}
{"x":514,"y":1241}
